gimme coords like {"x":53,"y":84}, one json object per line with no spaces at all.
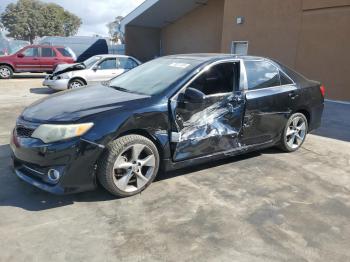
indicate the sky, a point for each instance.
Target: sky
{"x":95,"y":14}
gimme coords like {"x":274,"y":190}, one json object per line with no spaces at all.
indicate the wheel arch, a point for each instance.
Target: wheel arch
{"x":78,"y":78}
{"x":306,"y":113}
{"x":9,"y":65}
{"x":147,"y":134}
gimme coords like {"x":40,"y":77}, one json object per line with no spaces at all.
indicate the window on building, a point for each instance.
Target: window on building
{"x":239,"y":47}
{"x":109,"y":63}
{"x":261,"y":74}
{"x":47,"y":52}
{"x":31,"y":52}
{"x":217,"y":80}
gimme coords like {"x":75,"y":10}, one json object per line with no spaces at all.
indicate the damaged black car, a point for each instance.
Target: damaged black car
{"x":169,"y":113}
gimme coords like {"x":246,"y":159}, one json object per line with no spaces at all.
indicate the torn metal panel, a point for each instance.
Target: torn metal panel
{"x":215,"y":126}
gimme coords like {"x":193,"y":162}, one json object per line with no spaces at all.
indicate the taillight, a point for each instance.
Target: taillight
{"x":323,"y":90}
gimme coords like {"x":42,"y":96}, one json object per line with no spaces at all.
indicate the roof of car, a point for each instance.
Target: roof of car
{"x":112,"y":55}
{"x":56,"y":46}
{"x":213,"y":56}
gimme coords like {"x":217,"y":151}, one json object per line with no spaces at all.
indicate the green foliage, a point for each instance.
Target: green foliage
{"x":28,"y":19}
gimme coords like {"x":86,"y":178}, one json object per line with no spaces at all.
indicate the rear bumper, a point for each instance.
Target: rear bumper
{"x":61,"y":84}
{"x":75,"y":160}
{"x":316,"y":117}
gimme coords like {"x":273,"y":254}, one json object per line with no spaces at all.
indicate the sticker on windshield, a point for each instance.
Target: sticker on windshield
{"x":179,"y":65}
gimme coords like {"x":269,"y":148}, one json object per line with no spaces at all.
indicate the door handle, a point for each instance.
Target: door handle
{"x":293,"y":95}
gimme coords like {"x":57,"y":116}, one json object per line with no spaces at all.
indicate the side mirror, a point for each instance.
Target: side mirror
{"x":20,"y":55}
{"x":193,"y":95}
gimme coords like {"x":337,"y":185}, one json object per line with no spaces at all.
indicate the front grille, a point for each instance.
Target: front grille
{"x":22,"y":131}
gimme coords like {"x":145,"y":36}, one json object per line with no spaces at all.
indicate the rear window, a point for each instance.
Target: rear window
{"x":261,"y":74}
{"x":47,"y":52}
{"x":65,"y":52}
{"x":127,"y":63}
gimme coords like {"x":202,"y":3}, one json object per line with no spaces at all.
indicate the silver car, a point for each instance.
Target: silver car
{"x":94,"y":70}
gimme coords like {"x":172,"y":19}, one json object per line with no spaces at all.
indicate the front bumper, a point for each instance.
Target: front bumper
{"x":60,"y":84}
{"x":74,"y":159}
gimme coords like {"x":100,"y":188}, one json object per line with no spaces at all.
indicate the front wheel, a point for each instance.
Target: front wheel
{"x":6,"y":72}
{"x":129,"y":165}
{"x":294,"y":133}
{"x":75,"y":83}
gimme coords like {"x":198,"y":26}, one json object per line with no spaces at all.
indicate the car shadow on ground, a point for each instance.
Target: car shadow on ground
{"x":28,"y":76}
{"x":16,"y":193}
{"x":42,"y":91}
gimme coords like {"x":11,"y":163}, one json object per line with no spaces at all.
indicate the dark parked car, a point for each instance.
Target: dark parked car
{"x":35,"y":59}
{"x":171,"y":112}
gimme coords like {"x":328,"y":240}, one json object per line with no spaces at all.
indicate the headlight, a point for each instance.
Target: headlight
{"x":53,"y":133}
{"x":64,"y":76}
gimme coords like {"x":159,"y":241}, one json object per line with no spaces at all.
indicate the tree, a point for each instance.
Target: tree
{"x":114,"y":30}
{"x":28,"y":19}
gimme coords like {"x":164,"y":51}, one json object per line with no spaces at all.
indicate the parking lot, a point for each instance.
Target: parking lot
{"x":264,"y":206}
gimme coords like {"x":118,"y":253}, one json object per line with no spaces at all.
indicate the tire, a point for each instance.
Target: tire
{"x":75,"y":83}
{"x":128,"y":165}
{"x":6,"y":72}
{"x":294,"y":133}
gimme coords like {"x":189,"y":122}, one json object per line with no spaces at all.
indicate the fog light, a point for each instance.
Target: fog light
{"x":53,"y":175}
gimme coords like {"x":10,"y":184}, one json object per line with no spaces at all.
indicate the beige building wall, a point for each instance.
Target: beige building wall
{"x":271,"y":27}
{"x":198,"y":31}
{"x":142,"y":42}
{"x":312,"y":36}
{"x":324,"y":49}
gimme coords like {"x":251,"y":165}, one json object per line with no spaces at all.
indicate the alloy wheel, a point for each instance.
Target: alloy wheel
{"x":133,"y":168}
{"x":296,"y":132}
{"x":5,"y":72}
{"x":75,"y":84}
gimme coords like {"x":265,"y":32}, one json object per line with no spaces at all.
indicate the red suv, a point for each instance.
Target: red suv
{"x":34,"y":59}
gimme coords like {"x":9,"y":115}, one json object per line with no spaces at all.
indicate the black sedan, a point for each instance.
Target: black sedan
{"x":168,"y":113}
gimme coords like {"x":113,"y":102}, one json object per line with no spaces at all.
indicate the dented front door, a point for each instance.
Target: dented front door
{"x":209,"y":126}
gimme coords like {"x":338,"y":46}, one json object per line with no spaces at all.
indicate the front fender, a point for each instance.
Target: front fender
{"x":152,"y":122}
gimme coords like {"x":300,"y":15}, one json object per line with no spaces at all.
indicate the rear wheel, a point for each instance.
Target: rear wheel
{"x":294,"y":133}
{"x":6,"y":72}
{"x":75,"y":83}
{"x":129,"y":165}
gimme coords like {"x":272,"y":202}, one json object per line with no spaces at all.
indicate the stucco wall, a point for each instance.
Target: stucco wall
{"x":324,"y":49}
{"x":142,"y":42}
{"x":312,"y":36}
{"x":198,"y":31}
{"x":270,"y":26}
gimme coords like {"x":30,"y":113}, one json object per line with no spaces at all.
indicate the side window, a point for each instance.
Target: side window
{"x":126,"y":63}
{"x":285,"y":80}
{"x":219,"y":79}
{"x":109,"y":63}
{"x":47,"y":52}
{"x":261,"y":74}
{"x":31,"y":52}
{"x":64,"y":51}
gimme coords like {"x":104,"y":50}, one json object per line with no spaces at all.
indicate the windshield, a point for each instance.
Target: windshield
{"x":155,"y":76}
{"x":91,"y":61}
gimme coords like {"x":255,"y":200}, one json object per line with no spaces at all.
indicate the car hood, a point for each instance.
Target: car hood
{"x":5,"y":57}
{"x":72,"y":105}
{"x":63,"y":68}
